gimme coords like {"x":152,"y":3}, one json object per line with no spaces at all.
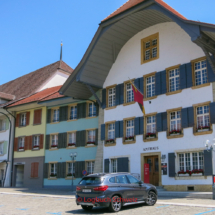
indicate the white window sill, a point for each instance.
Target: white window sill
{"x":191,"y":177}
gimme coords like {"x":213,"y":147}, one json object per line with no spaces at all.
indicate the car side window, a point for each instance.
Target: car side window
{"x":132,"y":179}
{"x":121,"y":179}
{"x":112,"y":180}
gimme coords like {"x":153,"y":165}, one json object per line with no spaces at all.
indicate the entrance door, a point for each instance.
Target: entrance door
{"x":153,"y":169}
{"x":19,"y":176}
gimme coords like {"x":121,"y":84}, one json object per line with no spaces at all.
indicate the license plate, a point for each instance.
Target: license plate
{"x":86,"y":190}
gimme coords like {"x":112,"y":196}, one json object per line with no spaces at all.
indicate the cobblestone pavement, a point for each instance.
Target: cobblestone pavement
{"x":12,"y":204}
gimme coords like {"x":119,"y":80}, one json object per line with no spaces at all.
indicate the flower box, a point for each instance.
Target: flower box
{"x":90,"y":143}
{"x":109,"y":141}
{"x":150,"y":135}
{"x":197,"y":174}
{"x":131,"y":138}
{"x":53,"y":146}
{"x":184,"y":175}
{"x":21,"y":149}
{"x":174,"y":132}
{"x":53,"y":175}
{"x":203,"y":128}
{"x":71,"y":144}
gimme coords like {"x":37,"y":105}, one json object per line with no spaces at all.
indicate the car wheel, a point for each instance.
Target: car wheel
{"x":151,"y":199}
{"x":87,"y":208}
{"x":115,"y":204}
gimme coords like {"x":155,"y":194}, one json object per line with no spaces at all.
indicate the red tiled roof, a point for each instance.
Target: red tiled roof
{"x":131,"y":3}
{"x":53,"y":96}
{"x":6,"y":96}
{"x":37,"y":96}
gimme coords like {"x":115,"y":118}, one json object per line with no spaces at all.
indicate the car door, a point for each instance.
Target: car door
{"x":123,"y":186}
{"x":137,"y":189}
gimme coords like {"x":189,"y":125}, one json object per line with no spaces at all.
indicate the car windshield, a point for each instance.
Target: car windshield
{"x":91,"y":180}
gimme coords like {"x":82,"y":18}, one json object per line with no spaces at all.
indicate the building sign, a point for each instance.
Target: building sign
{"x":146,"y":173}
{"x":164,"y":168}
{"x":151,"y":148}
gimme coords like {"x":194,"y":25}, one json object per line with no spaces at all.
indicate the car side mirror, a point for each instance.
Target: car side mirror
{"x":140,"y":182}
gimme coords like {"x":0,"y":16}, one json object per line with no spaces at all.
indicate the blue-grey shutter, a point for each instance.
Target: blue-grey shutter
{"x":49,"y":111}
{"x":80,"y":138}
{"x":122,"y":164}
{"x":59,"y":170}
{"x":81,"y":110}
{"x":184,"y":118}
{"x":106,"y":165}
{"x":97,"y":108}
{"x":189,"y":75}
{"x":141,"y":125}
{"x":190,"y":112}
{"x":120,"y":128}
{"x":117,"y":129}
{"x":211,"y":75}
{"x":137,"y":83}
{"x":96,"y":141}
{"x":158,"y":83}
{"x":163,"y":82}
{"x":47,"y":141}
{"x":104,"y":98}
{"x":136,"y":126}
{"x":62,"y":140}
{"x":171,"y":164}
{"x":79,"y":167}
{"x":183,"y":78}
{"x":103,"y":132}
{"x":118,"y":94}
{"x":164,"y":118}
{"x":63,"y":113}
{"x":159,"y":122}
{"x":63,"y":170}
{"x":141,"y":85}
{"x":212,"y":112}
{"x":121,"y":100}
{"x":46,"y":170}
{"x":207,"y":162}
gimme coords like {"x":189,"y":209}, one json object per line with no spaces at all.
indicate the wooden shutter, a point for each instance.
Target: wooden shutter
{"x":46,"y":170}
{"x":163,"y":82}
{"x":81,"y":110}
{"x":122,"y":164}
{"x":158,"y":83}
{"x":49,"y":113}
{"x":117,"y":129}
{"x":211,"y":75}
{"x":184,"y":118}
{"x":47,"y":141}
{"x":164,"y":119}
{"x":171,"y":163}
{"x":63,"y":172}
{"x":106,"y":165}
{"x":63,"y":113}
{"x":104,"y":98}
{"x":79,"y":167}
{"x":141,"y":125}
{"x":96,"y":140}
{"x":30,"y":142}
{"x":208,"y":162}
{"x":121,"y":128}
{"x":5,"y":147}
{"x":189,"y":77}
{"x":212,"y":112}
{"x":16,"y":141}
{"x":183,"y":78}
{"x":34,"y":169}
{"x":17,"y":120}
{"x":41,"y":141}
{"x":37,"y":116}
{"x":103,"y":132}
{"x":59,"y":169}
{"x":159,"y":122}
{"x":136,"y":126}
{"x":27,"y":118}
{"x":121,"y":98}
{"x":190,"y":112}
{"x":26,"y":143}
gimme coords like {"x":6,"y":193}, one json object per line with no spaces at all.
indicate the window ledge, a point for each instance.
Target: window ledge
{"x":173,"y":92}
{"x":150,"y":98}
{"x":150,"y":140}
{"x":203,"y":132}
{"x":3,"y":131}
{"x":69,"y":147}
{"x":52,"y":178}
{"x":199,"y":86}
{"x":129,"y":142}
{"x":69,"y":178}
{"x":37,"y":124}
{"x":175,"y":136}
{"x":90,"y":146}
{"x":22,"y":126}
{"x":35,"y":149}
{"x":53,"y":149}
{"x":128,"y":103}
{"x":90,"y":117}
{"x":109,"y":144}
{"x":71,"y":120}
{"x":108,"y":108}
{"x":190,"y":177}
{"x":54,"y":122}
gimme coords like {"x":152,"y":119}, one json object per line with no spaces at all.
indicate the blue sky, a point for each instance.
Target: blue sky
{"x":31,"y":31}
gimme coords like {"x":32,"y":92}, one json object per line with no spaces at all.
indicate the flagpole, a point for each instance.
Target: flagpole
{"x":135,"y":85}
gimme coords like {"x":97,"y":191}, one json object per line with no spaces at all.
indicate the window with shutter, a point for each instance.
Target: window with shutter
{"x":54,"y":141}
{"x":37,"y":117}
{"x":91,"y":109}
{"x":91,"y":137}
{"x":111,"y":97}
{"x":110,"y":133}
{"x":128,"y":131}
{"x":55,"y":115}
{"x":22,"y":119}
{"x":149,"y":86}
{"x":72,"y":112}
{"x":53,"y":170}
{"x":128,"y":93}
{"x":36,"y":142}
{"x":21,"y":143}
{"x":71,"y":142}
{"x":150,"y":127}
{"x":113,"y":165}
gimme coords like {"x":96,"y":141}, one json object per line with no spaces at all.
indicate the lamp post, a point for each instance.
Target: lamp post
{"x":73,"y":156}
{"x":211,"y":148}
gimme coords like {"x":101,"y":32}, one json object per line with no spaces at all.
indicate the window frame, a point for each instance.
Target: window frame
{"x":68,"y":133}
{"x":33,"y":145}
{"x":107,"y":97}
{"x":52,"y":115}
{"x":20,"y":119}
{"x":169,"y":111}
{"x":106,"y":133}
{"x":2,"y":145}
{"x":23,"y":144}
{"x":193,"y":73}
{"x":145,"y":87}
{"x":124,"y":130}
{"x":69,"y":112}
{"x":195,"y":132}
{"x":3,"y":124}
{"x":168,"y":79}
{"x":87,"y":135}
{"x":151,"y":47}
{"x":145,"y":127}
{"x":56,"y":170}
{"x":50,"y":144}
{"x":67,"y":170}
{"x":87,"y":109}
{"x":113,"y":159}
{"x":86,"y":166}
{"x":125,"y":93}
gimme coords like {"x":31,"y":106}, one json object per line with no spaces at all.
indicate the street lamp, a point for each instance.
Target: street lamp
{"x":73,"y":155}
{"x":211,"y":148}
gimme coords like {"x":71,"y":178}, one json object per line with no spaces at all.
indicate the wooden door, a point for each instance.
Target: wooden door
{"x":153,"y":169}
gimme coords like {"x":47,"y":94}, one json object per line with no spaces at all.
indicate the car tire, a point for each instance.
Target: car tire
{"x":151,"y":198}
{"x":115,"y":205}
{"x":87,"y":208}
